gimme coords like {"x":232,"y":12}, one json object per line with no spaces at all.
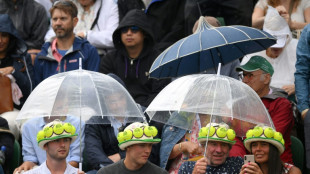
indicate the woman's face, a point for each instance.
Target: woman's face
{"x":260,"y":150}
{"x":86,"y":2}
{"x":4,"y":42}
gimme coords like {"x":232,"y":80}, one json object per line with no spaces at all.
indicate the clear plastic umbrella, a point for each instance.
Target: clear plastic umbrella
{"x":93,"y":97}
{"x":214,"y":97}
{"x":83,"y":94}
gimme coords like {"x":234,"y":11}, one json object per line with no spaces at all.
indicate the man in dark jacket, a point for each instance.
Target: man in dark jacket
{"x":133,"y":57}
{"x":257,"y":74}
{"x":63,"y":52}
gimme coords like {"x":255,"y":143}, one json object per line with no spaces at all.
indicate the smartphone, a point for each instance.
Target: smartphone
{"x":248,"y":158}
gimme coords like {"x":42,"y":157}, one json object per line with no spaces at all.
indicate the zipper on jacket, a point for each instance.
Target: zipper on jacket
{"x":131,"y":61}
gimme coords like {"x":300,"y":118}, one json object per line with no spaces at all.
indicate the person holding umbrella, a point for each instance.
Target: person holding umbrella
{"x":257,"y":73}
{"x":55,"y":138}
{"x":219,"y":139}
{"x":266,"y":145}
{"x":137,"y":139}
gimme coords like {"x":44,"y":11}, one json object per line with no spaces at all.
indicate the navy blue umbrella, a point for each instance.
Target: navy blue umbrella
{"x":208,"y":47}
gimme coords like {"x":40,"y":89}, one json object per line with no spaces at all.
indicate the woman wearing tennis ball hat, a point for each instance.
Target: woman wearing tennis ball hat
{"x":137,"y":139}
{"x":220,"y":139}
{"x":266,"y":144}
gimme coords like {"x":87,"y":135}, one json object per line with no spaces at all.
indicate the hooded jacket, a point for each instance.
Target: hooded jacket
{"x":46,"y":65}
{"x":134,"y":72}
{"x":18,"y":58}
{"x":30,"y":19}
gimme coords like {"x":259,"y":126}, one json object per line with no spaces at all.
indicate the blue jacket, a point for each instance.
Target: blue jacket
{"x":18,"y":58}
{"x":170,"y":136}
{"x":302,"y":74}
{"x":46,"y":65}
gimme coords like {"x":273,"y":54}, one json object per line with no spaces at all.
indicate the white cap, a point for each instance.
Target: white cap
{"x":277,"y":26}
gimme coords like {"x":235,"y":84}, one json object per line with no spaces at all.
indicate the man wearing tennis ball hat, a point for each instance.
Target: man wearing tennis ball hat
{"x":217,"y":160}
{"x":137,"y":139}
{"x":55,"y":138}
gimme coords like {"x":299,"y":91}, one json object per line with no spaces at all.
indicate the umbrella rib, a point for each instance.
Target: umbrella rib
{"x":97,"y":94}
{"x":240,"y":31}
{"x":221,"y":35}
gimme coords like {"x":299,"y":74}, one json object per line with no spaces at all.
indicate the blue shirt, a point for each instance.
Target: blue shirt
{"x":30,"y":148}
{"x":232,"y":165}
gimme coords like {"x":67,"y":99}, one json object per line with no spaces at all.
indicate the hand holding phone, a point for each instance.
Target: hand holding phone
{"x":248,"y":158}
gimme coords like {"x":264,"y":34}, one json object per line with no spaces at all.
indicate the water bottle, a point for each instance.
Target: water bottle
{"x":2,"y":155}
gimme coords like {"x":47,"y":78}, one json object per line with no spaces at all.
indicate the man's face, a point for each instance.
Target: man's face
{"x":254,"y":80}
{"x":138,"y":154}
{"x":4,"y":42}
{"x":274,"y":52}
{"x":217,"y":152}
{"x":58,"y":149}
{"x":63,"y":24}
{"x":117,"y":103}
{"x":132,"y":36}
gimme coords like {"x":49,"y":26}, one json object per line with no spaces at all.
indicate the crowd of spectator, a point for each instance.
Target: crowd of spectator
{"x":122,"y":38}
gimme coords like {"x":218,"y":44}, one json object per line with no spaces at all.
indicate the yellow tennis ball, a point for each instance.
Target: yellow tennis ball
{"x":249,"y":133}
{"x":269,"y":132}
{"x":278,"y":136}
{"x":211,"y":131}
{"x":257,"y":131}
{"x":48,"y":131}
{"x":73,"y":130}
{"x":68,"y":127}
{"x":138,"y":132}
{"x":40,"y":135}
{"x":154,"y":131}
{"x":120,"y":137}
{"x":221,"y":132}
{"x":282,"y":141}
{"x":203,"y":132}
{"x":127,"y":135}
{"x":231,"y":134}
{"x":148,"y":131}
{"x":58,"y":128}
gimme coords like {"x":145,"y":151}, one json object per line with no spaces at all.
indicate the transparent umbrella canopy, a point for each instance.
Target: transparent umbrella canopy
{"x":84,"y":94}
{"x":214,"y":97}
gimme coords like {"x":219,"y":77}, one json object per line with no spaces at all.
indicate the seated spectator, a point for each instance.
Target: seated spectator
{"x":302,"y":77}
{"x":97,"y":21}
{"x":7,"y":140}
{"x":138,"y":147}
{"x":133,"y":58}
{"x":16,"y":64}
{"x":266,"y":145}
{"x":33,"y":155}
{"x":228,"y":69}
{"x":179,"y":144}
{"x":257,"y":73}
{"x":217,"y":152}
{"x":62,"y":53}
{"x":296,"y":13}
{"x":55,"y":138}
{"x":282,"y":55}
{"x":30,"y":24}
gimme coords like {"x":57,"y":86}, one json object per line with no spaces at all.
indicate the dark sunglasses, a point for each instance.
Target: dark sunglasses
{"x":134,"y":29}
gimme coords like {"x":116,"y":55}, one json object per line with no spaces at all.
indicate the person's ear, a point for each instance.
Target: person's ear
{"x":75,"y":21}
{"x":267,"y":78}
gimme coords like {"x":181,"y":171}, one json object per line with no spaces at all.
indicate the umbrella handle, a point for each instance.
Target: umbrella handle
{"x":80,"y":166}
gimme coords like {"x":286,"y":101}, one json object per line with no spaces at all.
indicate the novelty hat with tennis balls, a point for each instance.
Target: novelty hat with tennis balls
{"x":55,"y":130}
{"x":217,"y":132}
{"x":266,"y":134}
{"x":137,"y":133}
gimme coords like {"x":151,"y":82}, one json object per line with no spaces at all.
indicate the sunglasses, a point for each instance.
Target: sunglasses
{"x":134,"y":29}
